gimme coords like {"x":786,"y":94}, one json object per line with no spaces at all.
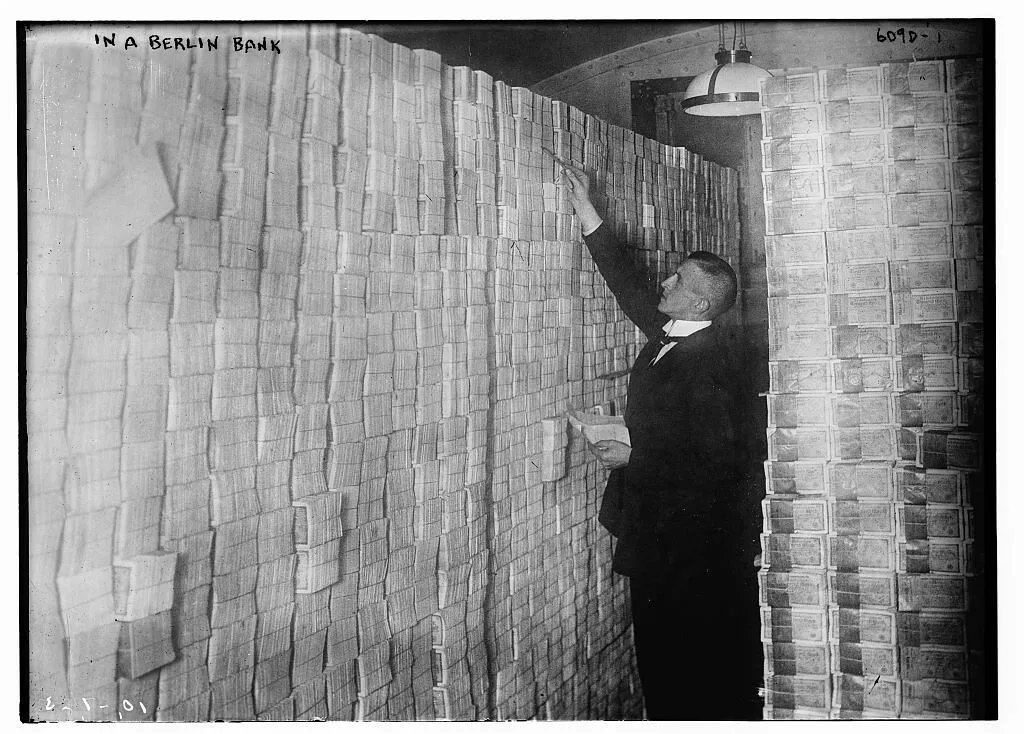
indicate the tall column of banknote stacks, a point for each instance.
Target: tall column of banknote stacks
{"x":511,"y":327}
{"x":283,"y":383}
{"x":347,"y":367}
{"x":864,"y":316}
{"x":143,"y":574}
{"x":395,"y":292}
{"x":137,"y":299}
{"x":935,"y":147}
{"x":964,"y":88}
{"x":427,"y":673}
{"x":510,"y":298}
{"x":314,"y":510}
{"x":51,"y":201}
{"x":429,"y":340}
{"x":547,"y":469}
{"x":96,"y":390}
{"x":575,"y":514}
{"x":517,"y":635}
{"x":368,"y":335}
{"x":607,"y":342}
{"x":518,"y":321}
{"x":605,"y":338}
{"x":144,"y":584}
{"x":362,"y":383}
{"x":481,"y":254}
{"x":543,"y":465}
{"x":798,"y":524}
{"x":238,"y":343}
{"x":520,"y":637}
{"x":605,"y":646}
{"x":467,"y":117}
{"x":184,"y":685}
{"x":72,"y":415}
{"x":858,"y":286}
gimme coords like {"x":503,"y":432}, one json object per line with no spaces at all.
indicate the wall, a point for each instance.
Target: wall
{"x":878,"y":512}
{"x":602,"y":86}
{"x":302,"y":331}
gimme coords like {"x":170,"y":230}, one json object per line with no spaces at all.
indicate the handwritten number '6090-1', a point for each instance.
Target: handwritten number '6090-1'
{"x":902,"y":34}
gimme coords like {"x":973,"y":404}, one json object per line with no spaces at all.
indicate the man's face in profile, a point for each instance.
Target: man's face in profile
{"x":682,"y":294}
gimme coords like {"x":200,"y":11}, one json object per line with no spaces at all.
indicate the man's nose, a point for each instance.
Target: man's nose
{"x":668,"y":282}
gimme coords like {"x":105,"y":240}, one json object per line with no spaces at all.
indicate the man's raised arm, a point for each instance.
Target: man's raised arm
{"x":629,"y":287}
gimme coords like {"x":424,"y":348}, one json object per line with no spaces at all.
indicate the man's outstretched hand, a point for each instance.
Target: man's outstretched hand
{"x":579,"y":194}
{"x":612,"y":454}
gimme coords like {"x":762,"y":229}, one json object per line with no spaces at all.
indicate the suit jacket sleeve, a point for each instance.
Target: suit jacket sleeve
{"x":626,"y":283}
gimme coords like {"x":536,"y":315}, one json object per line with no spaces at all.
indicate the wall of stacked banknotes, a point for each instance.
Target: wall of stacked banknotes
{"x":302,"y":331}
{"x":875,"y":485}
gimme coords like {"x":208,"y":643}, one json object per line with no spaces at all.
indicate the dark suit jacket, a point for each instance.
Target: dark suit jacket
{"x":673,"y":507}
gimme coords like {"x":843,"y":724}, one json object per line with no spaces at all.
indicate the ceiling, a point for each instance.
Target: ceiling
{"x":523,"y":53}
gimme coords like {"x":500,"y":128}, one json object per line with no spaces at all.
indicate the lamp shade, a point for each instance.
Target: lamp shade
{"x":730,"y":89}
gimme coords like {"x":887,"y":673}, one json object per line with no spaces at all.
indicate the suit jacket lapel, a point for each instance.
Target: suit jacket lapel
{"x":694,"y":344}
{"x":643,"y":359}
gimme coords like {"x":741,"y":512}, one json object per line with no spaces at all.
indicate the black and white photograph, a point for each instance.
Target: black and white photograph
{"x":508,"y":370}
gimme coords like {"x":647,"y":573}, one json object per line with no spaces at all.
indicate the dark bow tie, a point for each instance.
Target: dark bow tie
{"x":663,"y":341}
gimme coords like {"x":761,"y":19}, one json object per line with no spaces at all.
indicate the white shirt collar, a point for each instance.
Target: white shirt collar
{"x":680,"y":327}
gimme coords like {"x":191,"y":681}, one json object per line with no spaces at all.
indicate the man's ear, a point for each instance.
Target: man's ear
{"x":703,"y":305}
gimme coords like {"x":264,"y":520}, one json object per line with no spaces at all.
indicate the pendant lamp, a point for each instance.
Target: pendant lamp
{"x":732,"y":88}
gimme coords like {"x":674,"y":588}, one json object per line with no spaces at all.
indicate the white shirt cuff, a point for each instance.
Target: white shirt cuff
{"x":594,"y":228}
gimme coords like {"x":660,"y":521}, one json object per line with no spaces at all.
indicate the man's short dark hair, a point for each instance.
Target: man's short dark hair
{"x":721,"y":279}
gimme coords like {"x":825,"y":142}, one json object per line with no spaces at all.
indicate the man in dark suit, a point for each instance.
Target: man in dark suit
{"x":674,"y":500}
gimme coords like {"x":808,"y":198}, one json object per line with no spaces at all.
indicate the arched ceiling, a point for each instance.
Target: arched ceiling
{"x":524,"y":53}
